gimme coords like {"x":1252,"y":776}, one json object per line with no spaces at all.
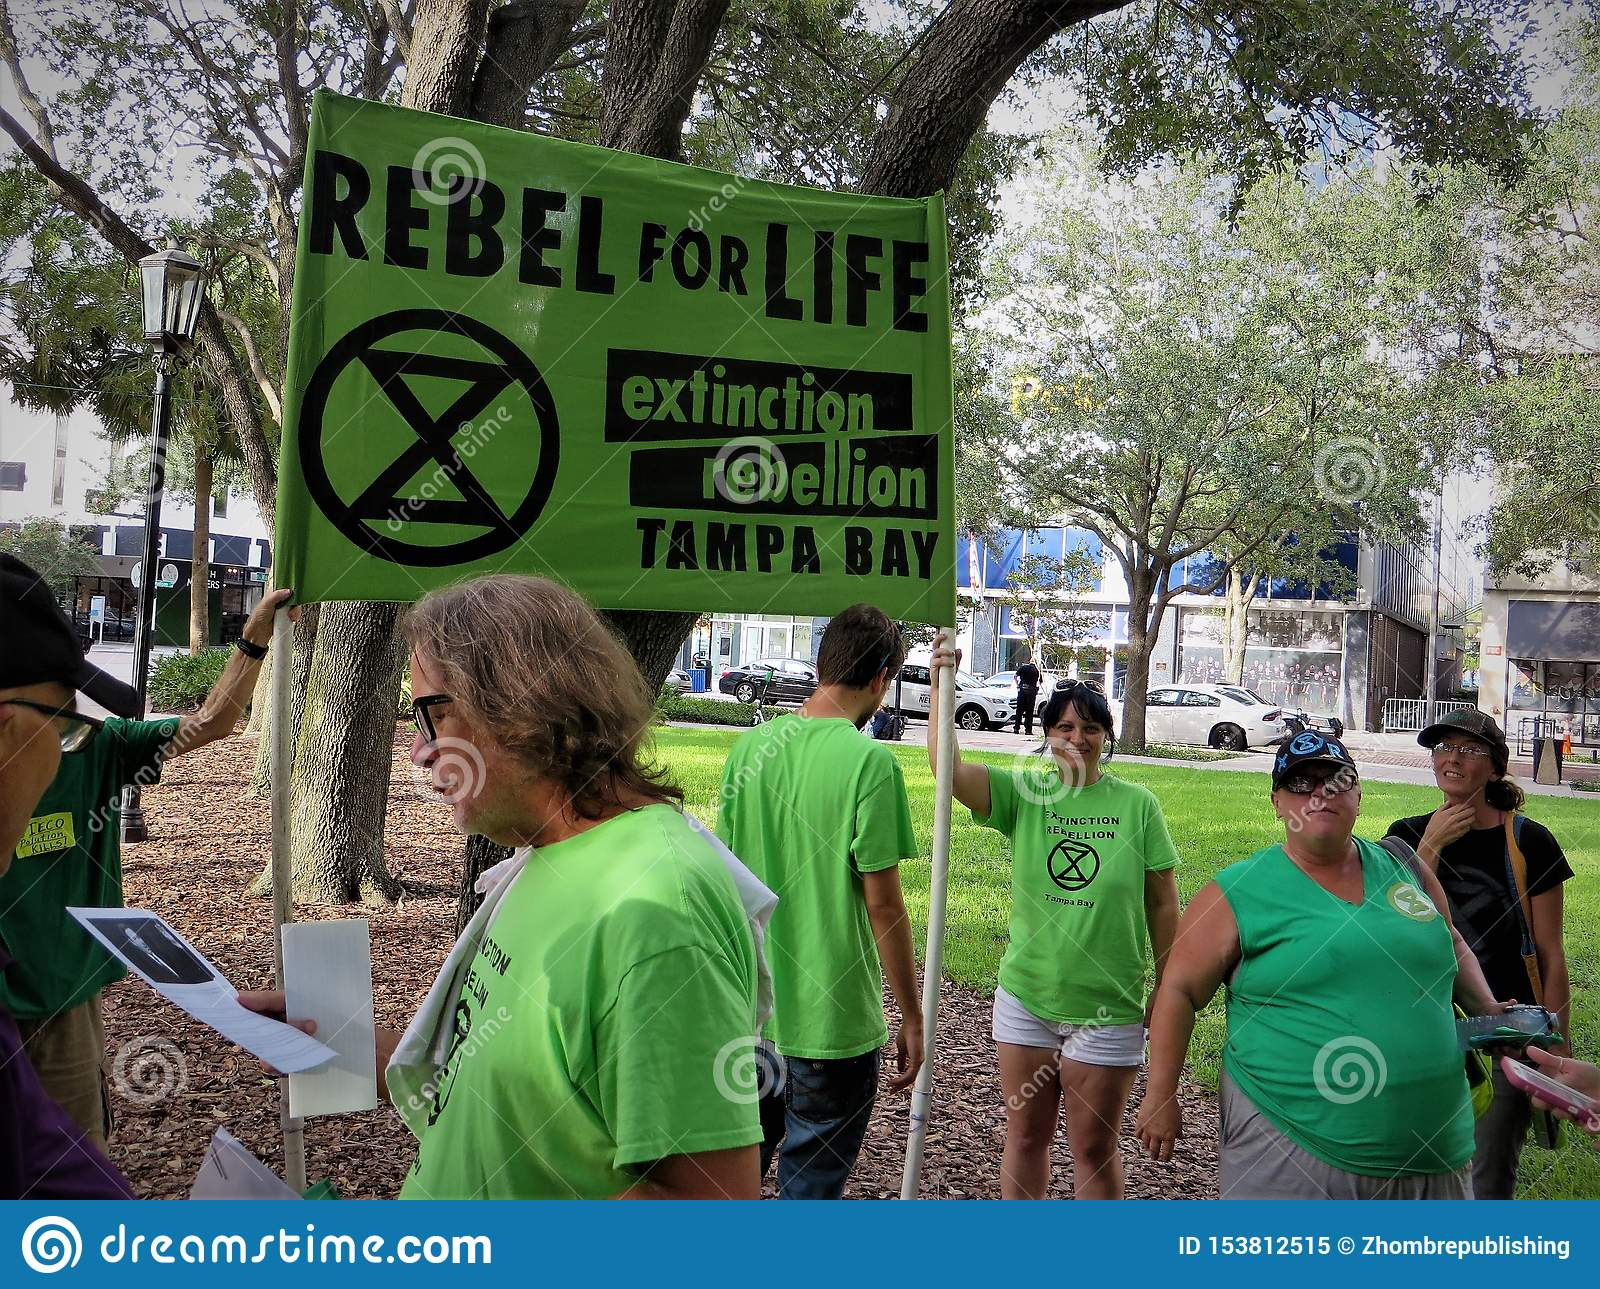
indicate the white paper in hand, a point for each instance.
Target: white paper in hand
{"x":230,"y":1171}
{"x":181,"y":974}
{"x":327,"y":977}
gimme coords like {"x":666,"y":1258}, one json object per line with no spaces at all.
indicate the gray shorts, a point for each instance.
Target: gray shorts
{"x":1259,"y":1162}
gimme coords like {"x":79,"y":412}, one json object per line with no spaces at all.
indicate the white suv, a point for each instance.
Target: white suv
{"x":977,"y":708}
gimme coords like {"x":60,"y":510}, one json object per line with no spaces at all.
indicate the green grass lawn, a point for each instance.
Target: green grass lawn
{"x":1216,"y":817}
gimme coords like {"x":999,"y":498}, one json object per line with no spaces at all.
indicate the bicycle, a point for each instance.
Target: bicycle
{"x":760,"y":716}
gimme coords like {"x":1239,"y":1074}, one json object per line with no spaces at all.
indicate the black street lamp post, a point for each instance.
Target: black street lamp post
{"x":173,"y":286}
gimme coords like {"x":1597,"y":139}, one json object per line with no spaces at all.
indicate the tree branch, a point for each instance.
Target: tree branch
{"x":399,"y":26}
{"x":83,"y":201}
{"x":967,"y":55}
{"x":30,"y":101}
{"x":258,"y":369}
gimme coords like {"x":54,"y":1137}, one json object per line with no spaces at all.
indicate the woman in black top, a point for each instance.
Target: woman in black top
{"x":1464,"y":841}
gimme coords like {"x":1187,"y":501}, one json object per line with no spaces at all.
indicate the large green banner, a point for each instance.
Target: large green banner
{"x":670,"y":388}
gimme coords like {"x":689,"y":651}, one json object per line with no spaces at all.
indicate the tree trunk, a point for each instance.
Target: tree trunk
{"x":1237,"y":599}
{"x":344,"y":704}
{"x":343,"y":757}
{"x":200,"y":556}
{"x":1141,"y":641}
{"x":524,"y":38}
{"x":260,"y":699}
{"x":305,"y":643}
{"x":446,"y":36}
{"x":653,"y":639}
{"x":481,"y":855}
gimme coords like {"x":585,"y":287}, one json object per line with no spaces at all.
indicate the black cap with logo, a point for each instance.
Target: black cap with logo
{"x":1476,"y":724}
{"x":1309,"y":748}
{"x":38,"y":645}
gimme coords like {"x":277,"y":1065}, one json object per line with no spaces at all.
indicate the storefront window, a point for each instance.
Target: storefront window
{"x":1524,"y":684}
{"x":1291,"y":658}
{"x":1563,"y":688}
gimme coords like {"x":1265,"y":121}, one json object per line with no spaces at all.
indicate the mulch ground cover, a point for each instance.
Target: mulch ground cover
{"x":175,"y":1081}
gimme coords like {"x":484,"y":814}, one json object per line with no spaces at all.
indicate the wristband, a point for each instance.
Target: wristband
{"x":250,"y":649}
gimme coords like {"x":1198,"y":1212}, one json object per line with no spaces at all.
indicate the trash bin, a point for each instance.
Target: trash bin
{"x":1547,"y":760}
{"x":699,"y":680}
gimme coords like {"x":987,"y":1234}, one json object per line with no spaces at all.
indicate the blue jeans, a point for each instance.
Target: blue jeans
{"x":814,"y":1118}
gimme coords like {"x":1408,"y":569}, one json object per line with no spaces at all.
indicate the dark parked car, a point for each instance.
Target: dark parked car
{"x":792,"y":680}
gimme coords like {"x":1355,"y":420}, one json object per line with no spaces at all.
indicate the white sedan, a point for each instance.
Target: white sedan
{"x":1208,"y":715}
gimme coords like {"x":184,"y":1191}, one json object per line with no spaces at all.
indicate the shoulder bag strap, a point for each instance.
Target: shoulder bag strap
{"x":1401,"y":850}
{"x":1517,"y":876}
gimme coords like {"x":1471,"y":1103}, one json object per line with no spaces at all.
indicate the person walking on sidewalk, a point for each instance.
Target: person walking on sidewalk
{"x":820,"y":815}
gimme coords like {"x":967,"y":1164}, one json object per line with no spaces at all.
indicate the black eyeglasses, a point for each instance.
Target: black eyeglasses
{"x":421,"y":714}
{"x":74,"y":730}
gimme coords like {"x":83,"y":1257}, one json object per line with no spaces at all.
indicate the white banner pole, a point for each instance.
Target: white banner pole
{"x":294,"y":1141}
{"x":938,"y":896}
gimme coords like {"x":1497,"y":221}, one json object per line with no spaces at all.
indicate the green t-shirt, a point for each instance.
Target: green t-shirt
{"x":1078,"y":861}
{"x":70,"y":855}
{"x":605,"y":1023}
{"x":1340,"y":1024}
{"x":810,"y":804}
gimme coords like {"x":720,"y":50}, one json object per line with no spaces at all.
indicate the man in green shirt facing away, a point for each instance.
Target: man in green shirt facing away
{"x":69,"y":855}
{"x":819,"y":813}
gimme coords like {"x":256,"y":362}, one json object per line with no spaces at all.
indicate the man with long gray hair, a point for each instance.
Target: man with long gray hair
{"x":591,"y":1034}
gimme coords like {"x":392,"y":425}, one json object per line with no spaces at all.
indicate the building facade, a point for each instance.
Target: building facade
{"x":55,"y":467}
{"x":1539,"y":655}
{"x":1307,"y":648}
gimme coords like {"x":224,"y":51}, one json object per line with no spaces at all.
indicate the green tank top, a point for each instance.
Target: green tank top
{"x":1340,"y":1024}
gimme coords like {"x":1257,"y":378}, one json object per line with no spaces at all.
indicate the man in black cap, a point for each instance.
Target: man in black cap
{"x":69,"y":855}
{"x":1502,"y":874}
{"x":43,"y":1155}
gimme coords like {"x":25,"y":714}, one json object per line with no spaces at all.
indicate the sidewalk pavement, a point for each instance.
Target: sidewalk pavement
{"x":116,"y":659}
{"x":1381,"y":758}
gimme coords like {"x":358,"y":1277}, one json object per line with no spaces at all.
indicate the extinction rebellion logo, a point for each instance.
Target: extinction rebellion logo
{"x":470,"y":431}
{"x":1073,"y":864}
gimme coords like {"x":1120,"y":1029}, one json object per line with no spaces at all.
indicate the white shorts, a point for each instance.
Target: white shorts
{"x":1090,"y":1044}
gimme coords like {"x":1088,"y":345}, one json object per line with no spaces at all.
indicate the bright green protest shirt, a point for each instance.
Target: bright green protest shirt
{"x":1341,"y":1029}
{"x":810,"y":804}
{"x":70,"y":855}
{"x":1078,"y":864}
{"x":604,"y":1024}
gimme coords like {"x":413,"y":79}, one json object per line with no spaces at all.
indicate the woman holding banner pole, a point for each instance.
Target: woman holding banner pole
{"x":1092,"y":879}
